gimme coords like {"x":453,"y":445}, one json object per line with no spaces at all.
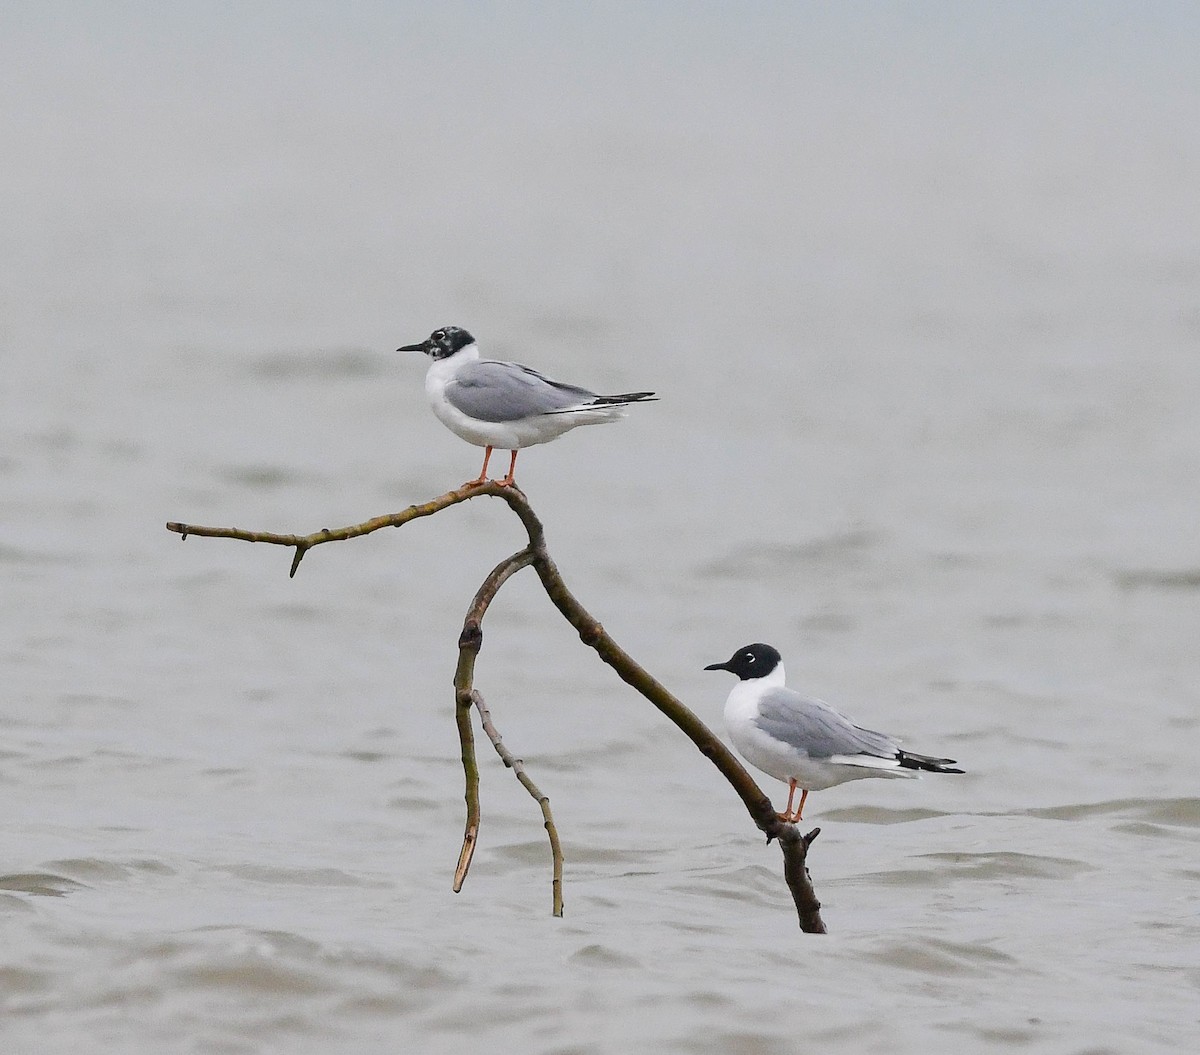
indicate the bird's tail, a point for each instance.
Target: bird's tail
{"x":627,"y":397}
{"x":930,"y":765}
{"x":603,"y":402}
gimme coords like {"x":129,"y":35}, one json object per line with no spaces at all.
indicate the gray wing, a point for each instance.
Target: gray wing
{"x":816,"y":728}
{"x":490,"y":390}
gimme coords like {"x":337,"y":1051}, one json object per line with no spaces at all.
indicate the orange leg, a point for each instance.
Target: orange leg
{"x":787,"y":815}
{"x":508,"y":480}
{"x":800,"y":808}
{"x":482,"y":477}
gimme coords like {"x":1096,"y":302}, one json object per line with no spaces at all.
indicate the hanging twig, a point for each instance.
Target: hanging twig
{"x":518,"y":768}
{"x":793,"y":844}
{"x":465,"y":696}
{"x":469,"y":643}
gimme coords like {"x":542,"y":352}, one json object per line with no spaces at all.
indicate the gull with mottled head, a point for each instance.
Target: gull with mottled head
{"x":491,"y":403}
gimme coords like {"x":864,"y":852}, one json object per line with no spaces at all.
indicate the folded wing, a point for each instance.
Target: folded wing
{"x":815,"y":728}
{"x":496,"y":391}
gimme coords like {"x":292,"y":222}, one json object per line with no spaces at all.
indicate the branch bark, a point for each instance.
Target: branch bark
{"x":793,"y":844}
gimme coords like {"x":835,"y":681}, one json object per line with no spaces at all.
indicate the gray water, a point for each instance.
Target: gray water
{"x":918,"y":286}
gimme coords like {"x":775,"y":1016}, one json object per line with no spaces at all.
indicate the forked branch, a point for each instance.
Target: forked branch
{"x":793,"y":844}
{"x":467,"y":696}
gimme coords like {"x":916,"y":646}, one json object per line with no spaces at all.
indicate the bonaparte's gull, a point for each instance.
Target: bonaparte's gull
{"x":496,"y":404}
{"x":802,"y":741}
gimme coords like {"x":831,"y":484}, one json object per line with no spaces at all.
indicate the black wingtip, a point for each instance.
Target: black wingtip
{"x":927,"y":764}
{"x":625,"y":397}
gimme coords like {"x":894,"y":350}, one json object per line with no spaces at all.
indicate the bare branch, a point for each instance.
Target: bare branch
{"x":303,"y":543}
{"x":758,"y":805}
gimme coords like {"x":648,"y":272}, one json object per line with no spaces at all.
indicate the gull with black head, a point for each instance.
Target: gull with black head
{"x":805,"y":742}
{"x":492,"y":403}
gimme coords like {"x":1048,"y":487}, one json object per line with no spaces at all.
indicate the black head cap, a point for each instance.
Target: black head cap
{"x":441,"y":343}
{"x":753,"y":661}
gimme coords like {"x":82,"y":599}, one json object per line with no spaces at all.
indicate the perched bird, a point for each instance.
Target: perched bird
{"x":495,"y":404}
{"x":805,"y":742}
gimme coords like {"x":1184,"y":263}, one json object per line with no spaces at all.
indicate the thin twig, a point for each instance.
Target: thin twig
{"x":469,"y":643}
{"x":466,"y":739}
{"x":303,"y":543}
{"x":518,"y":768}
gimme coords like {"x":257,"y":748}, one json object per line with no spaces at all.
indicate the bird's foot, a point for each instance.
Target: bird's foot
{"x":480,"y":481}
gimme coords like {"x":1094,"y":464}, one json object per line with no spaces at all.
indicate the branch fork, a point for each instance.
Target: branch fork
{"x":467,"y":698}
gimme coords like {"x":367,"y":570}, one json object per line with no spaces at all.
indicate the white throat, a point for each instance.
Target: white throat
{"x":442,"y":371}
{"x":742,"y":705}
{"x":774,"y":679}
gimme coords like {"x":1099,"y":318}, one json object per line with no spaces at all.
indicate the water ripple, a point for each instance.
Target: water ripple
{"x":1158,"y":579}
{"x":1178,"y":812}
{"x":315,"y":877}
{"x":604,"y":956}
{"x":260,"y":477}
{"x":942,"y":958}
{"x":42,"y":884}
{"x":883,"y":815}
{"x":318,"y":365}
{"x":22,"y":980}
{"x":1009,"y":864}
{"x":949,"y":868}
{"x":837,"y":550}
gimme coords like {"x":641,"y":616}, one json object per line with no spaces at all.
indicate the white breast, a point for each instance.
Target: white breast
{"x":481,"y":433}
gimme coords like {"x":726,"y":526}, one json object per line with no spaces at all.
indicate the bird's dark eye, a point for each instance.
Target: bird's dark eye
{"x":439,"y":334}
{"x":749,"y":657}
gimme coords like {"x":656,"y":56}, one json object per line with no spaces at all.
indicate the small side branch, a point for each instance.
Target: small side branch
{"x":518,"y":768}
{"x":466,"y":696}
{"x":303,"y":543}
{"x":466,"y":740}
{"x":795,"y":873}
{"x":469,"y":643}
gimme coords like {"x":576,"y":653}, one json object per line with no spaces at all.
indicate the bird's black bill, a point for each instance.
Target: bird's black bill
{"x":414,"y":347}
{"x":717,"y":666}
